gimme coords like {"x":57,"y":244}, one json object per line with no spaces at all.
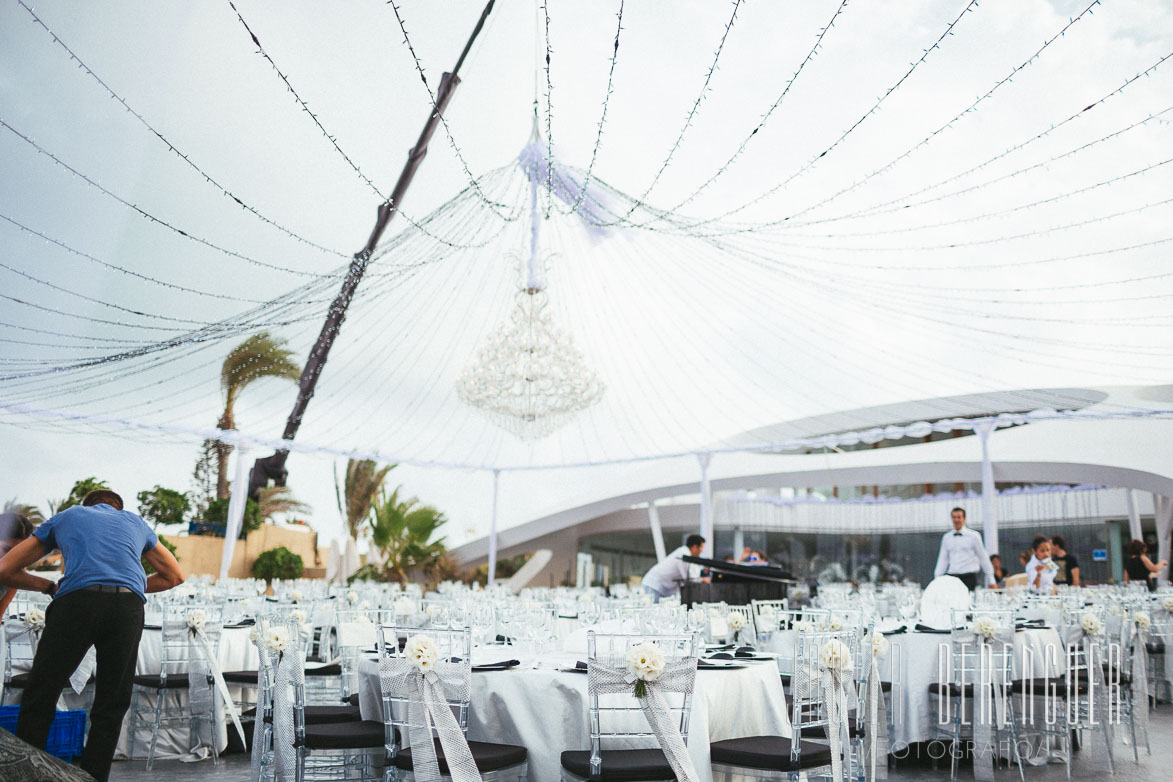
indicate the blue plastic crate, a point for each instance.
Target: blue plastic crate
{"x":67,"y":735}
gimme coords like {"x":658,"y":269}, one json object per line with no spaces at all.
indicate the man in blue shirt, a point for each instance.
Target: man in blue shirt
{"x":98,"y":603}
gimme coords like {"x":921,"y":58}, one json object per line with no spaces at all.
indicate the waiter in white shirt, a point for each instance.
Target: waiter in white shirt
{"x":963,"y":555}
{"x":665,"y":576}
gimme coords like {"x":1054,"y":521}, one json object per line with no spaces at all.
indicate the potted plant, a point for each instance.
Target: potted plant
{"x":279,"y":563}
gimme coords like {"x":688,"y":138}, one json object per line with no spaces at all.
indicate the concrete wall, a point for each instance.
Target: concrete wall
{"x":199,"y":554}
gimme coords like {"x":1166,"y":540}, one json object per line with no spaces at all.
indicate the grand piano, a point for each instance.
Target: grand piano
{"x":736,"y":583}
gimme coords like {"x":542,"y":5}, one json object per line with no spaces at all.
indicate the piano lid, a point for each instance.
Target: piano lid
{"x":762,"y":572}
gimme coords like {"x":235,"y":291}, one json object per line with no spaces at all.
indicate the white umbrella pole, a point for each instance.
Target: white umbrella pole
{"x":989,"y":494}
{"x":706,"y":504}
{"x":236,"y":506}
{"x":493,"y":530}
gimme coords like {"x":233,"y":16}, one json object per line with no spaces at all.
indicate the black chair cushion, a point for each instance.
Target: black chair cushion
{"x":326,"y":715}
{"x":488,"y":757}
{"x":1155,"y":646}
{"x":364,"y":734}
{"x":951,"y":690}
{"x":768,"y":752}
{"x":885,"y":686}
{"x":1045,"y":686}
{"x":353,"y":700}
{"x":241,"y":677}
{"x":620,"y":765}
{"x":176,"y":681}
{"x":334,"y":669}
{"x":855,"y":729}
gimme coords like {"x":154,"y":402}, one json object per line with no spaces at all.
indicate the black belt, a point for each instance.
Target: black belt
{"x":106,"y":588}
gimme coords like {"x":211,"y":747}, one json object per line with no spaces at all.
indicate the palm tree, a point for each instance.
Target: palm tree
{"x":364,"y":482}
{"x":261,"y":355}
{"x":278,"y":499}
{"x":402,"y":530}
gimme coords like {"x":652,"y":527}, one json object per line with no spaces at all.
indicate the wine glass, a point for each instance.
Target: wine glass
{"x":483,"y":621}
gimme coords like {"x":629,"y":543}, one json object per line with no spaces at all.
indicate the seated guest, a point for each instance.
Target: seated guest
{"x":999,"y":575}
{"x":1024,"y":557}
{"x":1138,"y":567}
{"x":1041,"y":569}
{"x":1068,"y":572}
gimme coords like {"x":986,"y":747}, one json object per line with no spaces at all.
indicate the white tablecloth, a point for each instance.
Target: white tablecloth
{"x":545,"y":710}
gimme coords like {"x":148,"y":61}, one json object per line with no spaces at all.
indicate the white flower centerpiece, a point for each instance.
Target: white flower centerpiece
{"x":880,"y":644}
{"x":802,"y":626}
{"x":352,"y":597}
{"x":422,"y":652}
{"x":835,"y":656}
{"x":645,"y":662}
{"x":1167,"y":604}
{"x":985,"y":627}
{"x":835,"y":623}
{"x":1091,"y":624}
{"x":299,"y":616}
{"x":1143,"y":620}
{"x":736,"y":624}
{"x":196,"y":619}
{"x":34,"y":618}
{"x":295,"y":596}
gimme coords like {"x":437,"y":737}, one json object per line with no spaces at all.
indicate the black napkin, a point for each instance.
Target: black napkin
{"x":926,"y":629}
{"x":248,"y":621}
{"x":716,"y":648}
{"x":709,"y":666}
{"x":579,"y":667}
{"x":720,"y":656}
{"x":897,"y":631}
{"x":504,"y":665}
{"x":745,"y":651}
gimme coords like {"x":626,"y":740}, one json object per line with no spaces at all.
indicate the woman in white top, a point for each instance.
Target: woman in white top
{"x":1041,"y":570}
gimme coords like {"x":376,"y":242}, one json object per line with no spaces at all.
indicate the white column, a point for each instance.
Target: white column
{"x":236,"y":505}
{"x":738,"y":542}
{"x":1163,"y":511}
{"x":493,"y":530}
{"x":706,"y":504}
{"x":657,"y":531}
{"x":1134,"y":529}
{"x":989,"y":494}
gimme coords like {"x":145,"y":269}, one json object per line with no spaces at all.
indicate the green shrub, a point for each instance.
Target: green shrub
{"x":217,"y":515}
{"x":277,"y":563}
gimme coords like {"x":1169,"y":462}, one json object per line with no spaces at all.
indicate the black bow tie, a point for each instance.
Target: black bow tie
{"x":957,"y":534}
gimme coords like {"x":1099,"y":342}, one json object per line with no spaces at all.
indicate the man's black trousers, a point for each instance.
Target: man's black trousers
{"x":111,"y":622}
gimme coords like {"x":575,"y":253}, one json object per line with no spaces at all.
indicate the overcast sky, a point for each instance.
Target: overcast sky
{"x":918,"y":260}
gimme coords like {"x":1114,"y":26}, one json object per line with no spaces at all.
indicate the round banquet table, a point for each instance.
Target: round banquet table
{"x":917,"y":659}
{"x":545,"y":709}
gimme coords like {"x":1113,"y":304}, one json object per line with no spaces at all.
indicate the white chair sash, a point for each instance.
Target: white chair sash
{"x":199,"y":640}
{"x":876,"y":736}
{"x":989,"y":707}
{"x":427,"y":695}
{"x":287,"y":674}
{"x":833,"y":686}
{"x":677,"y":677}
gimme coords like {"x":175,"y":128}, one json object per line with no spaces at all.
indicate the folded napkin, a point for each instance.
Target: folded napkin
{"x":579,"y":667}
{"x":715,"y":666}
{"x":503,"y":665}
{"x":745,"y":651}
{"x":896,"y":631}
{"x":720,"y":656}
{"x":926,"y":629}
{"x":719,"y":647}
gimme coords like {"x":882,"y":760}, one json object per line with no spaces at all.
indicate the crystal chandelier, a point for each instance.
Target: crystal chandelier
{"x":529,"y":377}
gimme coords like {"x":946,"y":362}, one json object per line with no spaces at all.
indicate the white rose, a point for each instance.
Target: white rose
{"x":299,"y":616}
{"x":735,"y":621}
{"x":880,"y":644}
{"x":1115,"y":610}
{"x":404,"y":606}
{"x":196,"y":619}
{"x":1091,"y":624}
{"x":986,"y":627}
{"x":803,"y":626}
{"x":768,"y":617}
{"x":835,"y":656}
{"x":364,"y":605}
{"x":352,"y":597}
{"x":276,"y":640}
{"x":252,"y":634}
{"x":645,"y":662}
{"x":295,"y":595}
{"x":1167,"y":604}
{"x":835,"y":623}
{"x":422,"y":652}
{"x":34,"y":618}
{"x":1143,"y":620}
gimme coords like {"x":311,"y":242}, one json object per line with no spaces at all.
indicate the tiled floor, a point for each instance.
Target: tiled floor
{"x":1090,"y":764}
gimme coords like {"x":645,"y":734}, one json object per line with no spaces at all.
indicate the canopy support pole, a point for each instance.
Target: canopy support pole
{"x":1134,"y":530}
{"x":493,"y":530}
{"x":1163,"y":513}
{"x":236,"y":506}
{"x":657,"y":531}
{"x":989,"y":493}
{"x":706,"y":503}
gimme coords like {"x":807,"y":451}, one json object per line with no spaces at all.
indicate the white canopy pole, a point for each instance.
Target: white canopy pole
{"x":1163,"y":511}
{"x":493,"y":530}
{"x":236,"y":505}
{"x":706,"y":504}
{"x":657,"y":531}
{"x":1134,"y":530}
{"x":989,"y":494}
